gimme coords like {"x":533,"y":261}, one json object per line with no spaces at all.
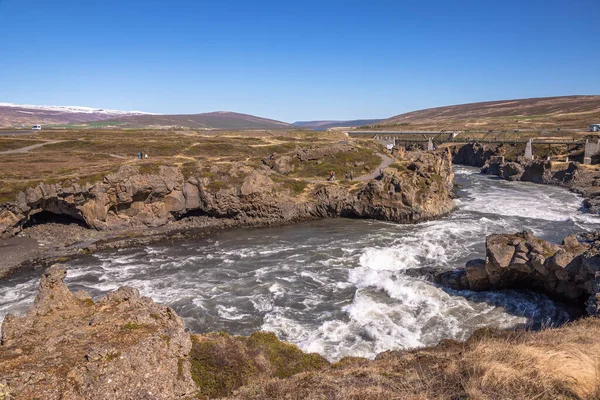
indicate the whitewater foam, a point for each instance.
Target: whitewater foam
{"x":339,"y":287}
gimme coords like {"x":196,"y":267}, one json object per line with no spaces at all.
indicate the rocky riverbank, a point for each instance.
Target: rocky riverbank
{"x":577,"y":177}
{"x":124,"y":346}
{"x":569,"y":271}
{"x":135,"y":205}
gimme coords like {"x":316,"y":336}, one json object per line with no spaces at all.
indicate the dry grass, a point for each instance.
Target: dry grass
{"x":11,"y":144}
{"x":561,"y":363}
{"x":88,"y":155}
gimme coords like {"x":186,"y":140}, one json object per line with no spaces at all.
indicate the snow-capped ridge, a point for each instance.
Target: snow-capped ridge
{"x":75,"y":109}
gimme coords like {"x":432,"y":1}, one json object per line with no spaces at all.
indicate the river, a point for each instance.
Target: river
{"x":338,"y":287}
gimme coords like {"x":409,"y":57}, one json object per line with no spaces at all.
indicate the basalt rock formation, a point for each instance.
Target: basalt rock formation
{"x":133,"y":198}
{"x":474,"y":154}
{"x":123,"y":346}
{"x":569,"y":271}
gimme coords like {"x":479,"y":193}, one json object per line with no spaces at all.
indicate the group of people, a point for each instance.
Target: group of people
{"x":346,"y":175}
{"x":142,"y":155}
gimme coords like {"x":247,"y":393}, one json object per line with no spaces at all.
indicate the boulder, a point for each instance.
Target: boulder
{"x":256,"y":182}
{"x":570,"y":271}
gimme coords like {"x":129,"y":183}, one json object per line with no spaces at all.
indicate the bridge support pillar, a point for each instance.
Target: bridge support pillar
{"x":529,"y":151}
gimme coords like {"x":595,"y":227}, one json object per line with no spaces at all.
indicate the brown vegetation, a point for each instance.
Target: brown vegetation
{"x":85,"y":156}
{"x":575,"y":112}
{"x":561,"y":363}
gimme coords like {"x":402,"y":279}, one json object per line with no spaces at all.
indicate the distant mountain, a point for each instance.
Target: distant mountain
{"x":26,"y":114}
{"x":14,"y":115}
{"x":212,"y":120}
{"x":324,"y":125}
{"x":536,"y":113}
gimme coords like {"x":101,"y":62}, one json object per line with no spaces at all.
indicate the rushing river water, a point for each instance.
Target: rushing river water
{"x":338,"y":287}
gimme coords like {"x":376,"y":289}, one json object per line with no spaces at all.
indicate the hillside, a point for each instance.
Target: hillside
{"x":14,"y":115}
{"x":324,"y":125}
{"x":20,"y":115}
{"x":575,"y":112}
{"x":212,"y":120}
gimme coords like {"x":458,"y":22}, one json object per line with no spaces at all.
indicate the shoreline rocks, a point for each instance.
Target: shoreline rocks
{"x":569,"y":271}
{"x":573,"y":175}
{"x":131,"y":199}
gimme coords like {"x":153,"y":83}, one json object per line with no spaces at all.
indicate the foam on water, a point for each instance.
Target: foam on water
{"x":339,"y":287}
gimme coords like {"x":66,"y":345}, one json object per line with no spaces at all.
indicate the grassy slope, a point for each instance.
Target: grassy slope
{"x":562,"y":363}
{"x":216,"y":120}
{"x":575,"y":112}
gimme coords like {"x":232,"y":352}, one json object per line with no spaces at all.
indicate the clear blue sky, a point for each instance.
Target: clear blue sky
{"x":295,"y":60}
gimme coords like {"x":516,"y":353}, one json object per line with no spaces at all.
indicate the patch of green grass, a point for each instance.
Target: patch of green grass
{"x":180,"y":368}
{"x":149,"y":168}
{"x":190,"y":168}
{"x":221,"y":363}
{"x":295,"y":186}
{"x":399,"y":166}
{"x":286,"y":358}
{"x":217,"y":185}
{"x":362,"y":160}
{"x":219,"y":368}
{"x":112,"y":356}
{"x":131,"y":326}
{"x":88,"y":302}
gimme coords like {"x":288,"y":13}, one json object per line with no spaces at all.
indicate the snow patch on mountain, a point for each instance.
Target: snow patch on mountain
{"x":75,"y":109}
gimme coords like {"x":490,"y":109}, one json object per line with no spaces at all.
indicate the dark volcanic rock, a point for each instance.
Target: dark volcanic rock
{"x":473,"y":154}
{"x":511,"y":171}
{"x":570,"y":271}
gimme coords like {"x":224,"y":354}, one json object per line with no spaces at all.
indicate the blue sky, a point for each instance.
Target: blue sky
{"x":295,"y":60}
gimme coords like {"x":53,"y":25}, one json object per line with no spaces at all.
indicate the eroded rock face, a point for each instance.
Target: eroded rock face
{"x":474,"y":154}
{"x":131,"y":199}
{"x":569,"y":271}
{"x":124,"y":346}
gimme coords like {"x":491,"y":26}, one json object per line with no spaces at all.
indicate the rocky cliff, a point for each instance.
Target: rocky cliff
{"x":569,"y":271}
{"x":473,"y":154}
{"x":123,"y":346}
{"x":132,"y":197}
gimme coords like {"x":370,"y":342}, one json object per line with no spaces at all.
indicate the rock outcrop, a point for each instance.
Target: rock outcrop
{"x":569,"y":271}
{"x":131,"y":198}
{"x":126,"y":347}
{"x":474,"y":154}
{"x":123,"y":346}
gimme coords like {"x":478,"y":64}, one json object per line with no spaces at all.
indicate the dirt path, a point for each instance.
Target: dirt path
{"x":29,"y":148}
{"x":386,"y":161}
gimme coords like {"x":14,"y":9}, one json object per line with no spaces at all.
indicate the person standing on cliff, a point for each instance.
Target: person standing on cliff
{"x":351,"y":175}
{"x":346,"y":175}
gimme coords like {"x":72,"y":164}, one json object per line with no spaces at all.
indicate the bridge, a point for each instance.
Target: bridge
{"x":434,"y":139}
{"x":491,"y":137}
